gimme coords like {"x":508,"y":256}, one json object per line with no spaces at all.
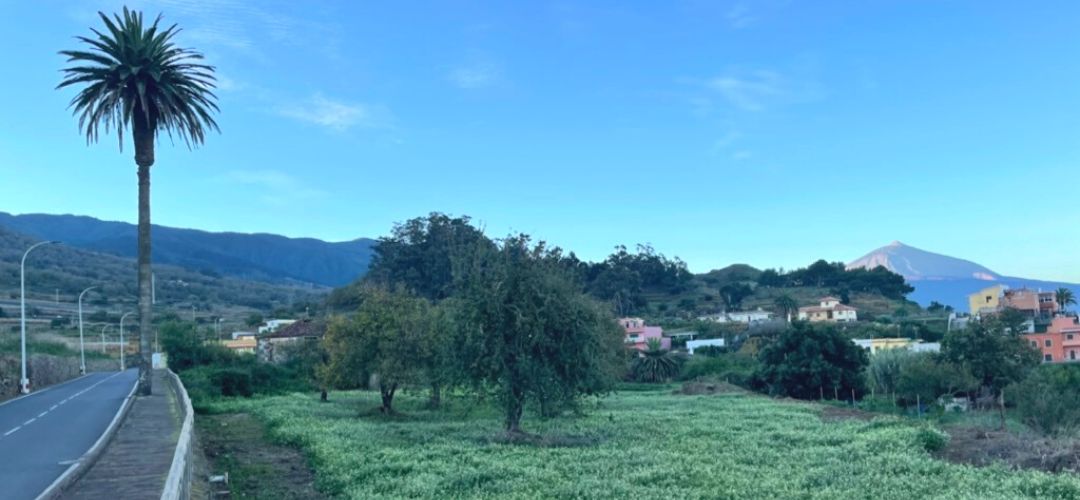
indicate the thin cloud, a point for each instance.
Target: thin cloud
{"x":475,"y":76}
{"x":749,"y":92}
{"x":334,"y":114}
{"x":739,"y":16}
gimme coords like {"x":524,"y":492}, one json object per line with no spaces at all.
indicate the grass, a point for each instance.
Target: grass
{"x":635,"y":444}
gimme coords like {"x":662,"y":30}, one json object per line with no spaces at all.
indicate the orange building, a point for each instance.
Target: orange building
{"x":1060,"y":343}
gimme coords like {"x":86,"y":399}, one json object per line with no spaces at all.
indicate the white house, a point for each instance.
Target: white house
{"x":694,"y":344}
{"x":829,"y":309}
{"x":746,"y":317}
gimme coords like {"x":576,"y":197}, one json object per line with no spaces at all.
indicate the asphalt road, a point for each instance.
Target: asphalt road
{"x":43,"y":433}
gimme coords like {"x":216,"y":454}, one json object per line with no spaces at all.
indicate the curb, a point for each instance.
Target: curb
{"x":88,"y":459}
{"x":178,"y":483}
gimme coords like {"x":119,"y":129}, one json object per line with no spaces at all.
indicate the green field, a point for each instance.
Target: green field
{"x":639,"y":444}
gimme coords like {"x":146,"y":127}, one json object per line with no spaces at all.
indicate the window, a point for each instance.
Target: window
{"x":1049,"y":343}
{"x":1072,"y":355}
{"x":1034,"y":344}
{"x":1069,"y":336}
{"x":1048,"y":357}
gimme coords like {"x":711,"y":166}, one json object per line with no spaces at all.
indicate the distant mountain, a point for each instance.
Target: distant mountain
{"x":65,"y":270}
{"x":944,"y":279}
{"x":261,"y":257}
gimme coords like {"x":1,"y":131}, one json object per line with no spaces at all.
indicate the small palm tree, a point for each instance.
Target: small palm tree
{"x":785,"y":305}
{"x":655,"y":364}
{"x":1065,"y":298}
{"x":134,"y":76}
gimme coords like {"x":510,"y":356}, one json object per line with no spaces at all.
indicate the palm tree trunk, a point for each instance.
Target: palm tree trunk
{"x":144,"y":157}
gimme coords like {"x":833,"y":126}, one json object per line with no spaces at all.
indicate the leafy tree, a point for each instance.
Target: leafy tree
{"x":1065,"y":298}
{"x":386,"y":337}
{"x":770,"y":278}
{"x":733,"y":294}
{"x":993,"y":351}
{"x":654,"y":364}
{"x":624,"y":277}
{"x":785,"y":306}
{"x":1048,"y":400}
{"x":424,"y":255}
{"x":926,"y":377}
{"x":255,"y":319}
{"x":804,"y":360}
{"x":134,"y":76}
{"x":308,"y":359}
{"x":526,"y":330}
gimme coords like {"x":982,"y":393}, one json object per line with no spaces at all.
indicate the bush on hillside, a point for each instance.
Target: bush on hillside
{"x":926,"y":377}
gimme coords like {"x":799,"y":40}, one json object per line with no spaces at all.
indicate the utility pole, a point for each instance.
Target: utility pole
{"x":24,"y":382}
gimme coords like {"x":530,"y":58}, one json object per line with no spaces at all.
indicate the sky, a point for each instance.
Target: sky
{"x":772,"y":133}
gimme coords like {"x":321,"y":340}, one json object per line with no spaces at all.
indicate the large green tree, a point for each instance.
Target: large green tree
{"x":389,"y":337}
{"x":806,"y":361}
{"x":526,"y":329}
{"x":134,"y":77}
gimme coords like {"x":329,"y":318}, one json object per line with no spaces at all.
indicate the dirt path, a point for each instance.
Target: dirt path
{"x":237,"y":443}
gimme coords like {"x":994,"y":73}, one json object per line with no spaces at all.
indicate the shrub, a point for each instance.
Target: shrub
{"x":1048,"y":400}
{"x":734,"y":368}
{"x":931,"y":439}
{"x":926,"y":377}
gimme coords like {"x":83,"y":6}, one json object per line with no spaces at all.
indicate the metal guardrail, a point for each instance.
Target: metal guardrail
{"x":178,"y":484}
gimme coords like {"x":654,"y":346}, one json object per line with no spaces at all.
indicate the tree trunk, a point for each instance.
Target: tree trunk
{"x":144,"y":158}
{"x":514,"y":408}
{"x":387,"y":393}
{"x":322,"y":395}
{"x":436,"y":396}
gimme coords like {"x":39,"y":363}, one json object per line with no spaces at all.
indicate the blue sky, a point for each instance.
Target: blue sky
{"x":771,"y":133}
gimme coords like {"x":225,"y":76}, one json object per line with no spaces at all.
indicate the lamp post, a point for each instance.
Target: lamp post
{"x":122,"y":367}
{"x":24,"y":382}
{"x":217,"y":327}
{"x":106,"y":325}
{"x":82,"y":351}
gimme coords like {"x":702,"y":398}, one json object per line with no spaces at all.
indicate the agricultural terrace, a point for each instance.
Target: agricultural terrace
{"x":647,"y":443}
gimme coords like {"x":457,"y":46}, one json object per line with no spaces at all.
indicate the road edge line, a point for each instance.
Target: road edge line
{"x":47,"y":388}
{"x":83,"y":464}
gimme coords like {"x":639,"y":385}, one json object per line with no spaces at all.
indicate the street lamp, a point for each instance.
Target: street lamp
{"x":24,"y":383}
{"x":82,"y":352}
{"x":122,"y":367}
{"x":106,"y":325}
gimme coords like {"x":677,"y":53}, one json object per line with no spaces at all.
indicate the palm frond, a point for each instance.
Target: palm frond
{"x":134,"y":75}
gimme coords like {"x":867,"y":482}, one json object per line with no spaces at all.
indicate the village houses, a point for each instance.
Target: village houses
{"x":638,"y":335}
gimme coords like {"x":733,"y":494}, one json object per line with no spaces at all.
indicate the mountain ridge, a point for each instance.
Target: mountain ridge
{"x":254,"y":256}
{"x":942,"y":278}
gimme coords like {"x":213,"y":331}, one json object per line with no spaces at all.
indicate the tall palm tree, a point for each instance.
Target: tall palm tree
{"x":1065,"y":297}
{"x":134,"y":76}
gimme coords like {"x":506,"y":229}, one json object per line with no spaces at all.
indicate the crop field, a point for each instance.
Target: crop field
{"x":635,"y":444}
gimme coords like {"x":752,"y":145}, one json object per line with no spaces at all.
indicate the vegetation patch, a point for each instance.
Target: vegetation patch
{"x":236,"y":443}
{"x":655,"y":445}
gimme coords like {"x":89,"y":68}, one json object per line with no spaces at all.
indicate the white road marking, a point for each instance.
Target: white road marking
{"x":53,"y":407}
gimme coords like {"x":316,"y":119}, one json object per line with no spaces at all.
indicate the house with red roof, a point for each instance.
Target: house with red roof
{"x":829,"y":309}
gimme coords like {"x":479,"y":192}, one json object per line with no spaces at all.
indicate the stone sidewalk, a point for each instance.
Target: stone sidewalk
{"x":137,"y":460}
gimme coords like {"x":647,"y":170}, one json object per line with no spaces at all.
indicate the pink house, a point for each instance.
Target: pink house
{"x":638,"y":335}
